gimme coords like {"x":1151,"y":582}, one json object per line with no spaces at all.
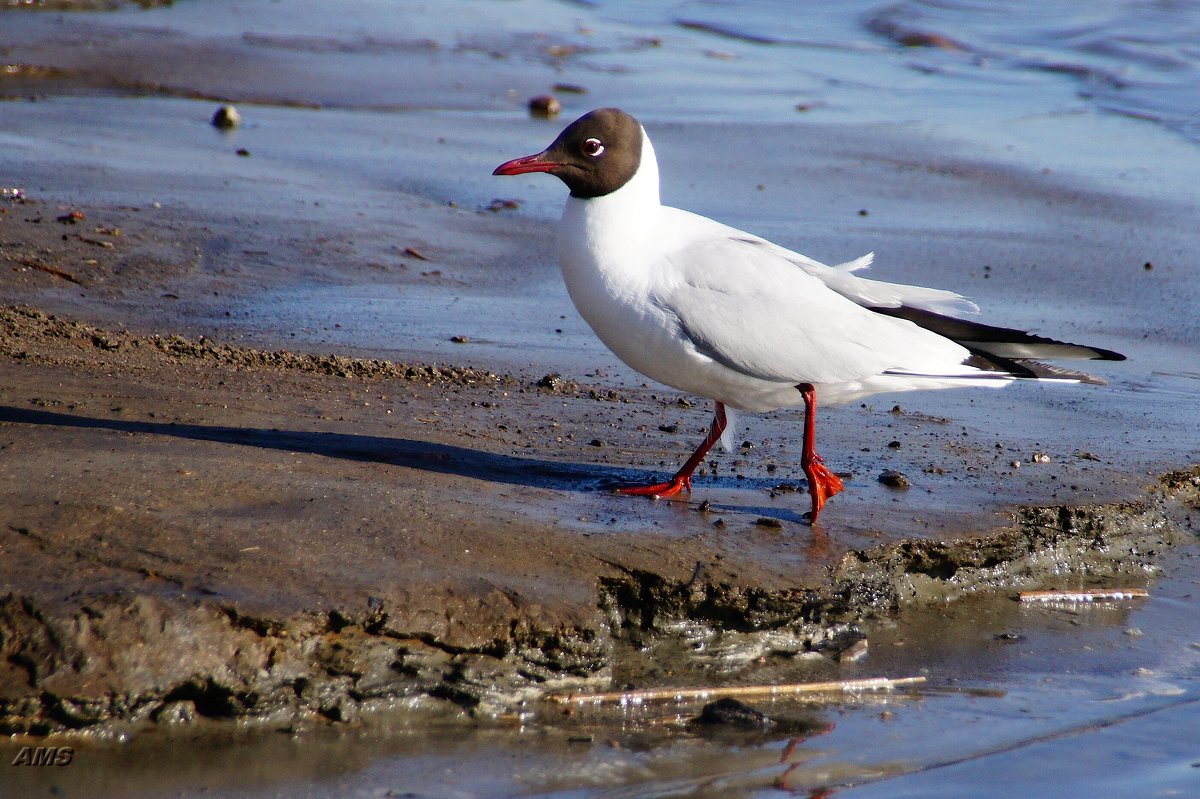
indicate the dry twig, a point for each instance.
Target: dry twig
{"x":50,"y":270}
{"x":1083,"y":595}
{"x":786,"y":689}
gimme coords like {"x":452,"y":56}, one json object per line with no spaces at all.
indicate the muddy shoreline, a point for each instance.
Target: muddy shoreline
{"x":297,"y":424}
{"x":197,"y":531}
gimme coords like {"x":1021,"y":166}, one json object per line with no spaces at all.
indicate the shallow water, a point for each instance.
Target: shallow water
{"x":1041,"y":701}
{"x":1089,"y":109}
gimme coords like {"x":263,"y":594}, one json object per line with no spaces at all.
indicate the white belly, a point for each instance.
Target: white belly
{"x":647,"y":338}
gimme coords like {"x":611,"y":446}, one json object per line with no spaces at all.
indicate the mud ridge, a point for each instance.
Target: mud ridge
{"x":98,"y":663}
{"x":18,"y":323}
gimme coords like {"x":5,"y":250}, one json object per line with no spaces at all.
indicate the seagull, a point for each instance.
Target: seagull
{"x":721,"y":313}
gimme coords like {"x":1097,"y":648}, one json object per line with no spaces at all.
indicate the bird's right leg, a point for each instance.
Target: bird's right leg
{"x":682,"y":481}
{"x":822,"y":483}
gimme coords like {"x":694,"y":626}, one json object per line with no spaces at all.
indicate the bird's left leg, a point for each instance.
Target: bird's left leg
{"x":683,"y":478}
{"x":822,"y":483}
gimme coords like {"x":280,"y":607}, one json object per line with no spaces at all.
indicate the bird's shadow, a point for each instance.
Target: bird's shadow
{"x":408,"y":453}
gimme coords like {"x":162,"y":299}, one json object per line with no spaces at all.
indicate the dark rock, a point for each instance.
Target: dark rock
{"x":731,"y":712}
{"x":545,"y":106}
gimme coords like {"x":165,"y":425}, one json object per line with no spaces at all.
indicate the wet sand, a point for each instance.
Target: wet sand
{"x":443,"y":528}
{"x":291,"y":449}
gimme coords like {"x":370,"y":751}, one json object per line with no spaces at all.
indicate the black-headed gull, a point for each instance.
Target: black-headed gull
{"x":715,"y":311}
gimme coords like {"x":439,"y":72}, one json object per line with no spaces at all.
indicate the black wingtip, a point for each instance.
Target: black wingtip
{"x":998,"y":343}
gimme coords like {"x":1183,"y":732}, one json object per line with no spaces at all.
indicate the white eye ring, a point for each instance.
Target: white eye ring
{"x":593,"y":147}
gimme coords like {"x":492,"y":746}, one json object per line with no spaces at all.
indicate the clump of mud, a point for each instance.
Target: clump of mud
{"x":145,"y":659}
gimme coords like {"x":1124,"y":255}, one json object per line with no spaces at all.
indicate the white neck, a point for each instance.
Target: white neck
{"x":588,"y":225}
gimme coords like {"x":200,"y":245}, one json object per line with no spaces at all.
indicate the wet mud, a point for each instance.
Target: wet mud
{"x":152,"y":595}
{"x":232,"y":489}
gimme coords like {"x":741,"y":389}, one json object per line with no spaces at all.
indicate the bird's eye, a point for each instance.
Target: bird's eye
{"x":592,"y":147}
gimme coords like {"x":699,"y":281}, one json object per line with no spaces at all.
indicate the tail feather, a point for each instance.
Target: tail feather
{"x":1003,"y":349}
{"x":1029,"y":369}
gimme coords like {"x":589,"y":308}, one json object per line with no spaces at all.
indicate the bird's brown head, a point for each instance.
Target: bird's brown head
{"x":595,"y":155}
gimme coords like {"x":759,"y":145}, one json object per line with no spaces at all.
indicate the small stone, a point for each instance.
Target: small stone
{"x":181,"y":712}
{"x":243,"y":152}
{"x":461,"y":339}
{"x":545,"y":106}
{"x":1040,"y":457}
{"x":595,"y":442}
{"x":552,"y":381}
{"x":732,"y":712}
{"x":765,"y":521}
{"x":855,"y":652}
{"x":894,"y":479}
{"x":893,"y":445}
{"x":226,"y":117}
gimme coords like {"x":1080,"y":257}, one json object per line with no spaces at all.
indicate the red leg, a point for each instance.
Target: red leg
{"x":822,"y":483}
{"x":682,"y":481}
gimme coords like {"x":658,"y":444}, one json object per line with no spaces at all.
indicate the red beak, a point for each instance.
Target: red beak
{"x":530,"y":163}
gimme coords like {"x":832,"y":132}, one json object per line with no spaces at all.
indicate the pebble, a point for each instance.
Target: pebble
{"x":545,"y":106}
{"x":732,"y":712}
{"x":226,"y":117}
{"x":894,"y":479}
